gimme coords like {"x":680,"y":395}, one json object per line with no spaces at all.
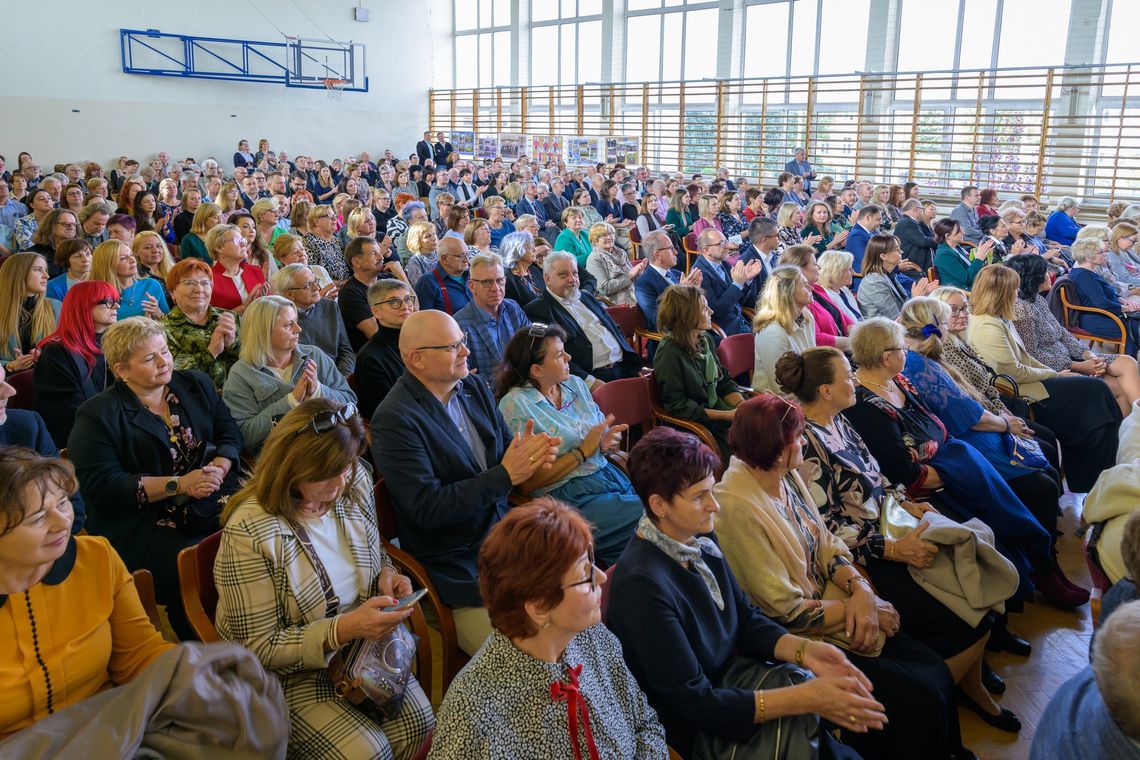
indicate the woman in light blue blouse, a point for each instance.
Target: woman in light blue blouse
{"x":113,"y":262}
{"x":535,"y":384}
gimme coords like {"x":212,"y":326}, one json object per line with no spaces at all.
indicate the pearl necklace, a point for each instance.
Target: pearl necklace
{"x":889,"y":388}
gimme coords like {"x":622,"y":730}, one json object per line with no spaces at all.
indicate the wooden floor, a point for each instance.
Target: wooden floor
{"x":1060,"y":649}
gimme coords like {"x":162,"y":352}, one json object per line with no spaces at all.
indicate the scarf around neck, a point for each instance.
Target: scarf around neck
{"x":690,"y":552}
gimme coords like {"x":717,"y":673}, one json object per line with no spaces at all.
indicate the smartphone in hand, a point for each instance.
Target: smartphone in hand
{"x":407,"y":601}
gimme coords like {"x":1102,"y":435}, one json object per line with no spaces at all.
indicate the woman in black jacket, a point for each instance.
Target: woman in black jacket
{"x":71,"y":367}
{"x":156,"y":457}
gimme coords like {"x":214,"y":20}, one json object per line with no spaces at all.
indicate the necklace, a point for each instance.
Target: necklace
{"x":890,"y":387}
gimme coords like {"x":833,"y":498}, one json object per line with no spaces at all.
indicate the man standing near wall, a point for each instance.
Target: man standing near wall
{"x":802,"y":167}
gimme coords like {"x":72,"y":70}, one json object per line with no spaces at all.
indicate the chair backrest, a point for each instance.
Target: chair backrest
{"x":738,"y":354}
{"x":627,"y":400}
{"x":385,"y":511}
{"x":605,"y":601}
{"x":628,"y":317}
{"x":1061,"y":297}
{"x":635,"y":234}
{"x":144,"y":586}
{"x":25,"y":390}
{"x":196,"y":582}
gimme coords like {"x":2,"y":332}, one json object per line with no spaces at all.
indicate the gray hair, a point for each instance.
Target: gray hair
{"x":1132,"y":212}
{"x":911,"y":205}
{"x":1116,"y":667}
{"x":209,"y":163}
{"x":95,"y":207}
{"x":513,"y":248}
{"x":1085,"y":249}
{"x":654,"y":242}
{"x":378,"y":290}
{"x":554,"y":257}
{"x":1067,"y":202}
{"x":544,"y":187}
{"x":283,"y":280}
{"x":484,"y":260}
{"x":409,"y":207}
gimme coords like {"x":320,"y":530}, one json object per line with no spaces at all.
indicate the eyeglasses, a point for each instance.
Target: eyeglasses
{"x":593,"y":571}
{"x":959,"y":310}
{"x":191,"y":284}
{"x":500,"y":282}
{"x":323,"y":422}
{"x":110,"y":303}
{"x":791,"y":406}
{"x":396,"y":303}
{"x":894,"y":349}
{"x":310,"y":285}
{"x":452,"y":347}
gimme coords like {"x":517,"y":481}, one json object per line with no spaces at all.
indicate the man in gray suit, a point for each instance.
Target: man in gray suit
{"x":802,"y":167}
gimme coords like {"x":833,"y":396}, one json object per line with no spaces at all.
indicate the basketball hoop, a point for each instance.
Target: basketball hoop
{"x":335,"y":88}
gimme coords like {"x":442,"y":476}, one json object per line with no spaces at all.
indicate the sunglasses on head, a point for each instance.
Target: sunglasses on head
{"x":323,"y":422}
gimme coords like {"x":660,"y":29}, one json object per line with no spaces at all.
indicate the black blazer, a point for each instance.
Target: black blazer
{"x":441,"y":151}
{"x":555,"y":205}
{"x":424,"y":150}
{"x":648,"y":289}
{"x":546,"y":308}
{"x":917,"y":241}
{"x":445,"y":503}
{"x":518,"y":290}
{"x":115,"y":440}
{"x":63,"y":383}
{"x":26,"y":428}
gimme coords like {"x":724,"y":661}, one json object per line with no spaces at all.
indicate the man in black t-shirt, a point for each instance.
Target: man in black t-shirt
{"x":370,"y":261}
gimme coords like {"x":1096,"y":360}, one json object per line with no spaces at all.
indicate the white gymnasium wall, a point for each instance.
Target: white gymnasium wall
{"x":64,"y":55}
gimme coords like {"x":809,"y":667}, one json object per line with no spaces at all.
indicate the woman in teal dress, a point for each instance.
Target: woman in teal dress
{"x":573,"y":237}
{"x":535,"y":384}
{"x":956,"y":266}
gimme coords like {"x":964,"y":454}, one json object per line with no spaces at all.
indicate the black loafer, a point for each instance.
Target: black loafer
{"x":1004,"y":640}
{"x":993,"y":683}
{"x":1003,"y":721}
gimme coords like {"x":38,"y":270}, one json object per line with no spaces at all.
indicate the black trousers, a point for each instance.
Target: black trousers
{"x":1086,"y":419}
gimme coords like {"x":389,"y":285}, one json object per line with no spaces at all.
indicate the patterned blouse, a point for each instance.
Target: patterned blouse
{"x":183,"y":447}
{"x":732,"y":225}
{"x":505,"y":704}
{"x":1044,"y":337}
{"x":327,"y":253}
{"x":189,"y":343}
{"x":846,"y":485}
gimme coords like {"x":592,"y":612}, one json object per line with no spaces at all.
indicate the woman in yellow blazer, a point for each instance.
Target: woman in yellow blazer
{"x":1080,"y":410}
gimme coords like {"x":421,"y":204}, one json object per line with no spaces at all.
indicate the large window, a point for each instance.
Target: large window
{"x":671,"y":40}
{"x":565,"y":42}
{"x":482,"y":43}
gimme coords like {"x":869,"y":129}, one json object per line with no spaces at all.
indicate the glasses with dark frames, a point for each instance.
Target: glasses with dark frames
{"x":593,"y":571}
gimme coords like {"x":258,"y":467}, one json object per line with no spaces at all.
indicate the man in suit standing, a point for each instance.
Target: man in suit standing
{"x":449,"y":461}
{"x":598,"y":350}
{"x":660,"y":274}
{"x":801,"y":166}
{"x":727,"y":289}
{"x":424,"y":148}
{"x":441,"y":150}
{"x":917,"y":239}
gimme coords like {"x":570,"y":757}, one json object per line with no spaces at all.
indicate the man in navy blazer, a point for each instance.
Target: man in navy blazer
{"x":660,"y":274}
{"x":599,"y":352}
{"x":868,"y":220}
{"x":727,"y":289}
{"x":915,"y":238}
{"x":22,"y":427}
{"x":449,"y":461}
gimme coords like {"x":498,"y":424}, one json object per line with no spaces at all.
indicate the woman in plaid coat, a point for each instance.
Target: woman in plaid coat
{"x":309,"y":484}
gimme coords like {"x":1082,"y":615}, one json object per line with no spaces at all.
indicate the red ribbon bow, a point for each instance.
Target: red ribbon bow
{"x":575,"y":703}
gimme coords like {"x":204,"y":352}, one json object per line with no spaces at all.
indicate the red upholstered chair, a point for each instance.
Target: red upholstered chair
{"x":196,"y":583}
{"x":25,"y":390}
{"x":695,"y":428}
{"x":627,"y":400}
{"x":738,"y":355}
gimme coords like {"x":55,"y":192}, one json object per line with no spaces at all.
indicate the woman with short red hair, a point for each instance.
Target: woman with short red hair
{"x":71,"y":368}
{"x":550,"y":680}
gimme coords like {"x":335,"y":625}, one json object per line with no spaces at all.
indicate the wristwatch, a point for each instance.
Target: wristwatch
{"x":172,"y":487}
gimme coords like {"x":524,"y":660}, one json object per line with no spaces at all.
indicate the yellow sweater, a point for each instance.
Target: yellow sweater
{"x":91,"y":629}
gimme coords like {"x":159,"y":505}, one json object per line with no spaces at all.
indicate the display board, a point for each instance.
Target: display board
{"x":545,"y":148}
{"x":463,"y":142}
{"x":583,"y":150}
{"x":486,"y":146}
{"x":512,"y":146}
{"x":623,"y":150}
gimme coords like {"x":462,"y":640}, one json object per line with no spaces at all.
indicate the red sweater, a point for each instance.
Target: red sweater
{"x":226,"y":294}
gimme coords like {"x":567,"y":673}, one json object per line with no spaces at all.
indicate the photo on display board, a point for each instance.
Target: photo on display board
{"x":582,"y":150}
{"x":512,"y":146}
{"x":463,"y":142}
{"x":623,"y":150}
{"x":544,"y":148}
{"x":486,"y":146}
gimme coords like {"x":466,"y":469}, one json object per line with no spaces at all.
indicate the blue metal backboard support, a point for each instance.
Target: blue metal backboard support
{"x":296,"y":62}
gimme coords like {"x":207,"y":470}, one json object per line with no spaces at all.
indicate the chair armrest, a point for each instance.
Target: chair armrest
{"x":1006,"y":385}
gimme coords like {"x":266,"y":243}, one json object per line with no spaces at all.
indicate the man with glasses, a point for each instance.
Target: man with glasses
{"x":658,"y":275}
{"x":445,"y":287}
{"x":450,"y":462}
{"x":319,"y":318}
{"x":726,"y":288}
{"x":370,"y":261}
{"x":378,"y":364}
{"x":599,"y":352}
{"x":491,"y":318}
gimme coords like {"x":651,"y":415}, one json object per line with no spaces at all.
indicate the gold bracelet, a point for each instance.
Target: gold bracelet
{"x":761,"y":693}
{"x":890,"y":546}
{"x":800,"y":651}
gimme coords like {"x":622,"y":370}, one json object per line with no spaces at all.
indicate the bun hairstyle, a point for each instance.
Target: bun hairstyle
{"x":802,"y":374}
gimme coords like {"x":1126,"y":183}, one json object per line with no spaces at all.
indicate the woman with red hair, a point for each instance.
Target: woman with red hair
{"x":987,"y":203}
{"x":71,"y":368}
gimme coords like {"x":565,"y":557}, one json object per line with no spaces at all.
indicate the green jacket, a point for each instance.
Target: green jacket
{"x":685,"y":391}
{"x":189,"y":343}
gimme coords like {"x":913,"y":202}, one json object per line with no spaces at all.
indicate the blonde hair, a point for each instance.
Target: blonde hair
{"x":202,"y":216}
{"x":122,"y":338}
{"x":294,"y":453}
{"x":1093,"y":232}
{"x":1121,"y":230}
{"x":357,"y":216}
{"x":284,"y":244}
{"x":871,"y":338}
{"x":703,"y":204}
{"x":257,"y":326}
{"x":777,"y":302}
{"x":788,"y":215}
{"x":260,"y":207}
{"x":797,"y":255}
{"x":994,"y":292}
{"x":165,"y":264}
{"x":918,"y":313}
{"x":832,"y":265}
{"x":598,"y":231}
{"x":103,"y":261}
{"x":13,"y":292}
{"x":223,"y":201}
{"x":215,"y":235}
{"x":416,"y":234}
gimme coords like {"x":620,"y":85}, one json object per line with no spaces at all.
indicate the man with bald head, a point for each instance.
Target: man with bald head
{"x":450,"y":462}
